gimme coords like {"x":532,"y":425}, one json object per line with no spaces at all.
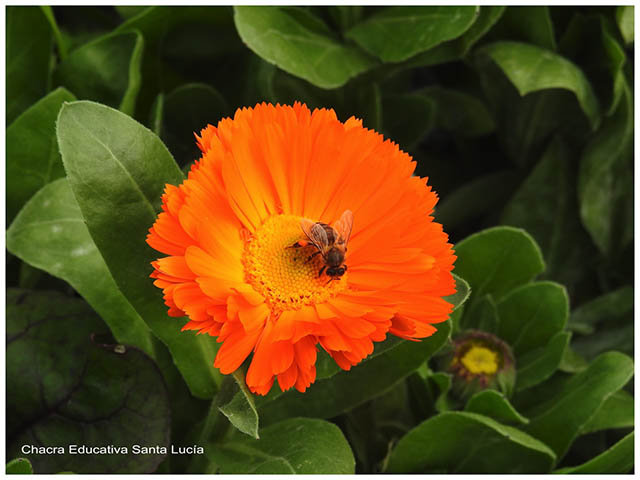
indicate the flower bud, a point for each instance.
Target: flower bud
{"x":480,"y":360}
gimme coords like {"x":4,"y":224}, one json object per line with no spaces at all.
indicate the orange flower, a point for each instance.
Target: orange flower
{"x":226,"y":230}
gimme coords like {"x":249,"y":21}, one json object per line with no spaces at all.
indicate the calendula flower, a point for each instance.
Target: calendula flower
{"x":242,"y":268}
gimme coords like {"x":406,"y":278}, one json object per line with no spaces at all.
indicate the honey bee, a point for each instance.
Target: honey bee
{"x":330,"y":241}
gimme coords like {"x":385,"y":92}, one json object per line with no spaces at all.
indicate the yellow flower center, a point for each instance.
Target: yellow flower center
{"x":287,"y":277}
{"x":481,"y":360}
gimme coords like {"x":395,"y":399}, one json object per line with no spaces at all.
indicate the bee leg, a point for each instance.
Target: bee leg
{"x":345,"y":267}
{"x":311,"y":256}
{"x":321,"y":270}
{"x":299,"y":244}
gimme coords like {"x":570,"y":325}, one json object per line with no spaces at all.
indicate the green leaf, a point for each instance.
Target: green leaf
{"x":591,"y":40}
{"x":617,"y":304}
{"x":617,"y":459}
{"x":483,"y":316}
{"x":128,"y":11}
{"x":540,"y":363}
{"x":189,"y":38}
{"x":468,"y":443}
{"x":458,"y":48}
{"x":236,"y":403}
{"x":624,"y":17}
{"x":408,"y":117}
{"x":488,"y":192}
{"x":616,"y":412}
{"x":61,"y":41}
{"x":106,"y":70}
{"x":494,"y":405}
{"x":28,"y":53}
{"x":545,"y":206}
{"x":346,"y":16}
{"x":157,"y":114}
{"x":33,"y":159}
{"x":618,"y":338}
{"x":531,"y":68}
{"x":605,"y":182}
{"x":442,"y":383}
{"x":531,"y":314}
{"x":489,"y":15}
{"x":297,"y":445}
{"x":497,"y":260}
{"x":65,"y":387}
{"x":397,"y":33}
{"x":560,"y":417}
{"x":50,"y":234}
{"x":19,"y":466}
{"x":187,"y":110}
{"x":571,"y":361}
{"x":530,"y":24}
{"x":460,"y":112}
{"x":462,"y":293}
{"x":117,"y":170}
{"x":331,"y":396}
{"x":280,"y":38}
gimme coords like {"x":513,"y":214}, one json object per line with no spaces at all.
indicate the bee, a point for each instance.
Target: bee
{"x":330,"y":242}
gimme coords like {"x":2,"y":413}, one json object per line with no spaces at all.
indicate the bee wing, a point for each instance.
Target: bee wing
{"x":343,"y":226}
{"x":315,"y":233}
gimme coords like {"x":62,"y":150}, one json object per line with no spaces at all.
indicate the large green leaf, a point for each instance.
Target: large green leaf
{"x":538,"y":364}
{"x":464,"y":442}
{"x":459,"y":112}
{"x":297,"y":445}
{"x":236,"y":403}
{"x":605,"y":181}
{"x":49,"y":233}
{"x":561,"y":416}
{"x":545,"y":205}
{"x":19,"y":466}
{"x":495,"y":405}
{"x":531,"y":24}
{"x":458,"y":48}
{"x":117,"y":170}
{"x":624,"y":17}
{"x":618,"y":459}
{"x":611,"y":306}
{"x":592,"y":42}
{"x":65,"y":387}
{"x":497,"y":260}
{"x":297,"y":47}
{"x":483,"y":315}
{"x":618,"y":337}
{"x":397,"y":33}
{"x":28,"y":54}
{"x":60,"y":40}
{"x":345,"y":390}
{"x":33,"y":159}
{"x":531,"y":68}
{"x":106,"y":70}
{"x":531,"y":314}
{"x":616,"y":412}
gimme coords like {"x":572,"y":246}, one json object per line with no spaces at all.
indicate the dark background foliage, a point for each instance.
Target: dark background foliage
{"x":520,"y":117}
